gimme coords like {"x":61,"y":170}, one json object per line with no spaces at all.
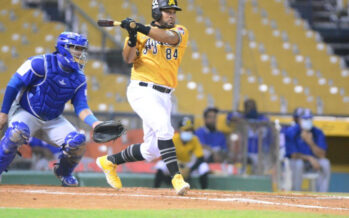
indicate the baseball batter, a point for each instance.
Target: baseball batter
{"x":36,"y":95}
{"x":156,"y":51}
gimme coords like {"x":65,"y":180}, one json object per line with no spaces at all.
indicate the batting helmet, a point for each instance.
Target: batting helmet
{"x":159,"y":5}
{"x":69,"y":39}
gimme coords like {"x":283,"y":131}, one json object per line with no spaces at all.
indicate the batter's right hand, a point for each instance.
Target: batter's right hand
{"x":126,"y":24}
{"x":3,"y":120}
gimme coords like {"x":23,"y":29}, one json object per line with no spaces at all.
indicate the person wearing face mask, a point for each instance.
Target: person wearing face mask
{"x":190,"y":156}
{"x":296,"y":115}
{"x":212,"y":140}
{"x":306,"y":147}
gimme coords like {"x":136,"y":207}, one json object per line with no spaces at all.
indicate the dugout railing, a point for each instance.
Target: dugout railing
{"x":255,"y":147}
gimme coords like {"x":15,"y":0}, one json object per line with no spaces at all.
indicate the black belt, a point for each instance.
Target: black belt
{"x":156,"y":87}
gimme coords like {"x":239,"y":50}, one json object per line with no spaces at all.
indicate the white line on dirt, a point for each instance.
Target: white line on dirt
{"x":12,"y":208}
{"x":301,"y":196}
{"x":239,"y":200}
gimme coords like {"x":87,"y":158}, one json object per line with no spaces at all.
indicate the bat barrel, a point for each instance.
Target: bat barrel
{"x":111,"y":23}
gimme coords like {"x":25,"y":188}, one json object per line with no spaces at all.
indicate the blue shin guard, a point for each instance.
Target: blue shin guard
{"x":73,"y":150}
{"x":64,"y":172}
{"x":5,"y":159}
{"x":15,"y":136}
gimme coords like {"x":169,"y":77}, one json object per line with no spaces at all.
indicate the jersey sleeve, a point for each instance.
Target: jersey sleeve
{"x":320,"y":139}
{"x":183,"y":35}
{"x":198,"y":151}
{"x":31,"y":71}
{"x":80,"y":99}
{"x":291,"y":145}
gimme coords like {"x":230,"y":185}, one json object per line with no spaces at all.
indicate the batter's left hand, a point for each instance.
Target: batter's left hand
{"x":3,"y":120}
{"x":126,"y":24}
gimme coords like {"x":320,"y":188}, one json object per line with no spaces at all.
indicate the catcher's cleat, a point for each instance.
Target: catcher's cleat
{"x":180,"y":185}
{"x":67,"y":181}
{"x":109,"y":170}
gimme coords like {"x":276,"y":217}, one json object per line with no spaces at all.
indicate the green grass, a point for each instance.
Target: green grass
{"x":68,"y":213}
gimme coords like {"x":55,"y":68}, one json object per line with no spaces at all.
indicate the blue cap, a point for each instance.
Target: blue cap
{"x":233,"y":115}
{"x":298,"y":112}
{"x":307,"y":114}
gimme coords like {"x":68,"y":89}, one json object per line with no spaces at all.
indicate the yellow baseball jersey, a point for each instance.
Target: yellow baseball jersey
{"x":158,"y":62}
{"x":185,"y":151}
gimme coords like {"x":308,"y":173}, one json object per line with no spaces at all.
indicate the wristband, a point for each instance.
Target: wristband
{"x":90,"y":119}
{"x":132,"y":42}
{"x":143,"y":29}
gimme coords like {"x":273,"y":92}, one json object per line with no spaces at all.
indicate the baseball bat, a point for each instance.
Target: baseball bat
{"x":111,"y":23}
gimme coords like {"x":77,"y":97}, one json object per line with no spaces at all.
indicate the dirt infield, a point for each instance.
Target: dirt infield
{"x":25,"y":196}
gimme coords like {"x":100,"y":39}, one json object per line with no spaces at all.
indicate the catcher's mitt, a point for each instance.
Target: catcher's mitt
{"x":108,"y":131}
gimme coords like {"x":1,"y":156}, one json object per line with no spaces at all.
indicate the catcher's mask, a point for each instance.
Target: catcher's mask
{"x":72,"y":50}
{"x":159,"y":5}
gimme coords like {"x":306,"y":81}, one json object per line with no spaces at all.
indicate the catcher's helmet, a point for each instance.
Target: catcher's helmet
{"x":159,"y":5}
{"x":69,"y":39}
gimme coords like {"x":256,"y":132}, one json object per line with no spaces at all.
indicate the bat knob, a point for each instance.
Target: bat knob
{"x":133,"y":25}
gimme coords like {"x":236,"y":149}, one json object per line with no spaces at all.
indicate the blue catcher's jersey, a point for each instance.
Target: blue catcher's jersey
{"x":48,"y":87}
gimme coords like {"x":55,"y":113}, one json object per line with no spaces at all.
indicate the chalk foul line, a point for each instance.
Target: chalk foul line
{"x":214,"y":199}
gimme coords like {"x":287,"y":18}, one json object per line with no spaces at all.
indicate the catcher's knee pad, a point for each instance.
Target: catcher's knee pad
{"x":74,"y":139}
{"x":17,"y":134}
{"x":74,"y":144}
{"x":73,"y":150}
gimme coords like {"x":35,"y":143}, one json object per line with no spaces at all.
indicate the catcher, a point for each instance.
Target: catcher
{"x":34,"y":102}
{"x":190,"y":156}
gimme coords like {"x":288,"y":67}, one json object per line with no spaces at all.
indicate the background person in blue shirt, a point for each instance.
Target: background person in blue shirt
{"x":306,"y":146}
{"x":252,"y":115}
{"x":296,"y":114}
{"x":212,"y":140}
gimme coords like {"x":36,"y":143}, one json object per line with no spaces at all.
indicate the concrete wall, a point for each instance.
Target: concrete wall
{"x":250,"y":183}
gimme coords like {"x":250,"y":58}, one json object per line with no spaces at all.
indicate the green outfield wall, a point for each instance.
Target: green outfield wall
{"x":220,"y":182}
